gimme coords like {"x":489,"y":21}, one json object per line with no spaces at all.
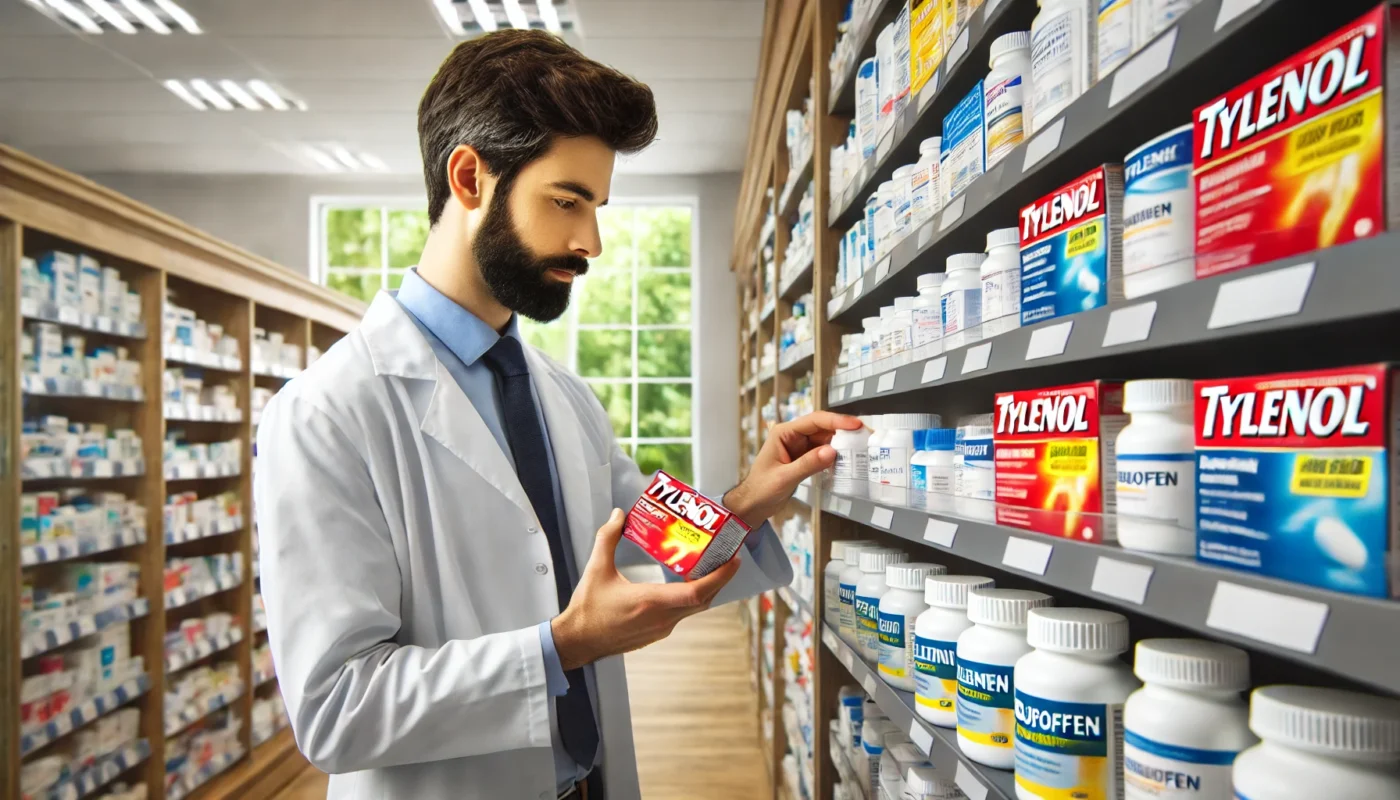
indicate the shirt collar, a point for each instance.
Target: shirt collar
{"x":461,"y":331}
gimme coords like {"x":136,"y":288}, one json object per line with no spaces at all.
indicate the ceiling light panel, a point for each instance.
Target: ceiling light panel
{"x":336,"y":157}
{"x":124,"y":16}
{"x":227,"y":95}
{"x":467,"y":18}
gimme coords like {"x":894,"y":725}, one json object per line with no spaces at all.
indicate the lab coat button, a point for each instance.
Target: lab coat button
{"x":542,"y":569}
{"x":533,"y":529}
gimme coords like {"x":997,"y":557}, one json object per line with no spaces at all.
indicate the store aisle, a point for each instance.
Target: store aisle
{"x":693,"y":713}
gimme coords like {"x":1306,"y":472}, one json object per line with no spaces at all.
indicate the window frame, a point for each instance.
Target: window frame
{"x":322,"y":205}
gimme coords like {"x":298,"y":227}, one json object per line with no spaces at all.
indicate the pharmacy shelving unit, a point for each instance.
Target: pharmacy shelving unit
{"x":1331,"y":307}
{"x":42,"y":209}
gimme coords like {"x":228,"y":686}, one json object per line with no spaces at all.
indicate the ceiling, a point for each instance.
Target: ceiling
{"x":96,"y":103}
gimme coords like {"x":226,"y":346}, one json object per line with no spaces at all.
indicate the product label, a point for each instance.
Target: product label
{"x":1115,"y":34}
{"x":918,"y":477}
{"x":1055,"y":82}
{"x":1005,"y":128}
{"x":1001,"y":293}
{"x":964,"y":155}
{"x":926,"y":42}
{"x":962,"y":310}
{"x":1157,"y":16}
{"x":935,"y":674}
{"x":867,"y":107}
{"x":831,"y":601}
{"x":687,"y":532}
{"x":1158,"y":486}
{"x":928,"y":325}
{"x":986,"y":704}
{"x":846,"y":596}
{"x":973,"y":468}
{"x":896,"y":649}
{"x":1293,"y":159}
{"x":1071,"y":247}
{"x":867,"y":611}
{"x":851,"y":464}
{"x":894,"y":466}
{"x":955,"y":14}
{"x":1159,"y":217}
{"x":919,"y":192}
{"x":1069,"y":750}
{"x":1156,"y":771}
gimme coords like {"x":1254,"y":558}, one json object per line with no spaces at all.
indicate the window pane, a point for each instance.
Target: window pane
{"x":551,"y":337}
{"x":606,"y":297}
{"x":663,"y":236}
{"x":395,"y":278}
{"x":352,"y":237}
{"x":674,"y":458}
{"x":663,"y":354}
{"x":361,"y":286}
{"x":663,"y":298}
{"x":615,"y":230}
{"x":408,"y":231}
{"x":663,"y":410}
{"x":605,"y":354}
{"x":617,"y":400}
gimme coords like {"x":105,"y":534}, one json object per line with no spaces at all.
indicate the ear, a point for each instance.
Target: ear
{"x":466,"y":177}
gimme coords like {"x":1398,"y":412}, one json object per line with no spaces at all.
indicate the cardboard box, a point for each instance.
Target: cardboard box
{"x":963,"y":158}
{"x":687,"y":532}
{"x":1054,"y":448}
{"x":1295,"y":159}
{"x":1072,"y":247}
{"x":1295,"y":477}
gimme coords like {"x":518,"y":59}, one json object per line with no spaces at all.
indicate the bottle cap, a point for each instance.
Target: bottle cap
{"x":939,"y":438}
{"x":1004,"y":608}
{"x":932,"y":144}
{"x":1076,"y":630}
{"x":1005,"y":43}
{"x":950,"y":591}
{"x":903,"y":304}
{"x":875,"y":560}
{"x":853,"y":551}
{"x":1326,"y":720}
{"x":1157,"y":394}
{"x":886,"y":312}
{"x":924,"y":780}
{"x":911,"y":575}
{"x":1002,"y":237}
{"x":932,"y":280}
{"x":1191,"y":664}
{"x":959,"y":261}
{"x":869,"y":323}
{"x":838,"y":548}
{"x":904,"y":171}
{"x":888,"y":188}
{"x":976,"y":421}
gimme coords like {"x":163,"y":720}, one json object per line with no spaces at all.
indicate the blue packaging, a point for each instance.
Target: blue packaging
{"x":1159,"y":215}
{"x":963,"y":157}
{"x":1072,"y":247}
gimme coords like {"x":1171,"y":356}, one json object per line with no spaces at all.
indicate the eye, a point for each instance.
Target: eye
{"x":564,"y":203}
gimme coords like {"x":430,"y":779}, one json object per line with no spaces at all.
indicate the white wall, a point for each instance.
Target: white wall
{"x":270,"y":215}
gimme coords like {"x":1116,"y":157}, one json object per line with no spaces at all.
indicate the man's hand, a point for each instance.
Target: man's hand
{"x":609,"y":615}
{"x":793,"y":452}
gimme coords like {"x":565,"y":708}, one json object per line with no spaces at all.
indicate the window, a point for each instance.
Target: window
{"x":627,"y":332}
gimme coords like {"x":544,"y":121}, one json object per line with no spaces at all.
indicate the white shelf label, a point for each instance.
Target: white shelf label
{"x":881,"y":517}
{"x":969,"y":783}
{"x":868,"y":683}
{"x":839,"y":394}
{"x":858,"y":388}
{"x":1049,"y":341}
{"x":1230,"y":9}
{"x":1043,"y":144}
{"x":925,"y":236}
{"x":1122,"y":579}
{"x":1026,"y":555}
{"x":976,"y":358}
{"x":886,"y":382}
{"x":829,"y":639}
{"x":957,"y":49}
{"x":929,"y":91}
{"x":933,"y":370}
{"x":920,"y":736}
{"x":1264,"y":616}
{"x":843,"y":507}
{"x":989,"y":8}
{"x":952,"y":212}
{"x":1130,"y":324}
{"x":1278,"y":293}
{"x":883,"y":148}
{"x":882,"y":271}
{"x":1143,"y":67}
{"x":845,"y":656}
{"x":857,"y":289}
{"x":939,"y":532}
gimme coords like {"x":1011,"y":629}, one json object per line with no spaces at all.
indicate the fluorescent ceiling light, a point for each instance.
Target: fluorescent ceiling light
{"x":147,"y":16}
{"x":239,"y":95}
{"x":212,"y":97}
{"x":116,"y":20}
{"x":373,"y":162}
{"x":327,"y":163}
{"x":484,"y":17}
{"x":343,"y":156}
{"x":549,"y":16}
{"x":262,"y":90}
{"x":74,"y":15}
{"x":178,"y":89}
{"x":516,"y":15}
{"x":180,"y":15}
{"x":448,"y":12}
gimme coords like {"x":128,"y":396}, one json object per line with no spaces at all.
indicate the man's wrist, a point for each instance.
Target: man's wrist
{"x":737,"y":501}
{"x":568,"y":646}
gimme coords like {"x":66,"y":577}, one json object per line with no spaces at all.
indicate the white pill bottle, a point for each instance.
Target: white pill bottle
{"x":1185,"y":726}
{"x":928,"y":316}
{"x":962,"y":300}
{"x":987,"y":656}
{"x":925,"y":198}
{"x":1062,"y":58}
{"x":846,"y":592}
{"x":1001,"y":282}
{"x":1320,"y":743}
{"x":878,"y":428}
{"x":1069,"y":704}
{"x":926,"y":783}
{"x":852,"y":466}
{"x":831,"y":578}
{"x":1004,"y":92}
{"x":899,"y":610}
{"x":936,"y":633}
{"x":869,"y":589}
{"x":1159,"y":214}
{"x":1156,"y":452}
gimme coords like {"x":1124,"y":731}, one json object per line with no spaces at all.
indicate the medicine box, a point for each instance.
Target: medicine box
{"x":1295,"y":159}
{"x":1295,"y":477}
{"x":1053,"y":448}
{"x":687,"y":532}
{"x":963,"y":157}
{"x":925,"y":42}
{"x":1072,"y":247}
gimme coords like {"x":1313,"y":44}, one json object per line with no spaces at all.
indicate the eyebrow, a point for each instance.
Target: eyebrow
{"x":578,"y":189}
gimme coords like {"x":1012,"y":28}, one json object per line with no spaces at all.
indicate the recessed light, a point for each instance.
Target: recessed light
{"x":147,"y":16}
{"x":336,"y":157}
{"x":210,"y":96}
{"x":484,"y":16}
{"x":549,"y":16}
{"x":327,"y":163}
{"x":179,"y":90}
{"x":239,"y":95}
{"x":114,"y":18}
{"x":180,"y":15}
{"x":74,"y":15}
{"x":224,"y":94}
{"x":373,"y":162}
{"x":343,"y":156}
{"x":516,"y":15}
{"x":448,"y":12}
{"x":262,"y":90}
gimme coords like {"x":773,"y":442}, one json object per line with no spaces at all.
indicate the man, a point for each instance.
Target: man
{"x":444,"y":621}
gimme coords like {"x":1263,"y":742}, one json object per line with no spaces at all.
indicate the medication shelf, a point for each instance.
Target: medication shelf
{"x":45,"y":210}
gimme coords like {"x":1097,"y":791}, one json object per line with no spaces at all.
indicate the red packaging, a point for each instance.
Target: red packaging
{"x":687,"y":532}
{"x":1294,"y":159}
{"x":1053,"y":448}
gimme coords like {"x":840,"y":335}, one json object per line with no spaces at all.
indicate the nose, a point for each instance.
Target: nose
{"x":587,"y":242}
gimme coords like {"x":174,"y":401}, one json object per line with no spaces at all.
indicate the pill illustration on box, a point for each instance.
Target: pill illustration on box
{"x":687,"y":532}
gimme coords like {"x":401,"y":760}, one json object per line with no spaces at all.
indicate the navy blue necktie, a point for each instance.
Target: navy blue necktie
{"x":577,"y":726}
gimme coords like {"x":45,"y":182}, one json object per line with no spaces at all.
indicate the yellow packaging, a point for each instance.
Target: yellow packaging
{"x":956,"y":14}
{"x":925,"y":42}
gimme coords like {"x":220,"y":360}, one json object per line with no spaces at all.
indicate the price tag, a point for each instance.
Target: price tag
{"x":1143,"y":67}
{"x":1278,"y":293}
{"x":976,"y":358}
{"x":886,"y":382}
{"x":69,"y":315}
{"x":925,"y":236}
{"x":868,"y":683}
{"x":969,"y":783}
{"x":843,"y":507}
{"x":857,"y":389}
{"x":1122,"y":579}
{"x":920,"y":736}
{"x":952,"y":212}
{"x":103,"y":469}
{"x":829,"y":639}
{"x":104,"y":324}
{"x":1264,"y":616}
{"x":1230,"y":10}
{"x":883,"y":148}
{"x":857,"y":289}
{"x":845,"y":656}
{"x":933,"y":370}
{"x":881,"y":517}
{"x":1043,"y":144}
{"x":1049,"y":341}
{"x":957,"y":49}
{"x":929,"y":91}
{"x":1026,"y":555}
{"x":883,"y":270}
{"x":940,"y":532}
{"x":1130,"y":324}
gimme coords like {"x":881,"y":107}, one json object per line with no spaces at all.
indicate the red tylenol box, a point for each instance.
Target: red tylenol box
{"x":687,"y":532}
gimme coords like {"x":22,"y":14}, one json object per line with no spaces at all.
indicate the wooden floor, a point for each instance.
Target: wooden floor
{"x":693,"y":715}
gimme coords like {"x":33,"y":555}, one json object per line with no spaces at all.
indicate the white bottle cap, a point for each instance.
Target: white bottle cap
{"x":888,"y":188}
{"x":869,"y":323}
{"x":1002,"y":237}
{"x":853,"y":551}
{"x":1158,"y":394}
{"x":932,"y":144}
{"x":886,"y":312}
{"x":875,"y":560}
{"x":1005,"y":43}
{"x":839,"y":547}
{"x":911,"y":576}
{"x":904,"y":172}
{"x":950,"y":591}
{"x":873,"y":731}
{"x":1077,"y":630}
{"x":1326,"y":720}
{"x":868,"y":421}
{"x":1004,"y":608}
{"x":1191,"y":664}
{"x":959,"y":261}
{"x":920,"y":422}
{"x":932,"y":280}
{"x":903,"y":304}
{"x":924,"y":780}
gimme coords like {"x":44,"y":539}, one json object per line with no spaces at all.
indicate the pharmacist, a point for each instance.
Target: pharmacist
{"x":435,"y":500}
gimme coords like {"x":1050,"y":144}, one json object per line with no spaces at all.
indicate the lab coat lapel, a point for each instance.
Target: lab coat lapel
{"x":569,"y":457}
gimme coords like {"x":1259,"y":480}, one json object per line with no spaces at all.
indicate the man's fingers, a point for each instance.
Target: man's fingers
{"x":707,"y":587}
{"x":605,"y":544}
{"x":811,"y":462}
{"x":692,"y":595}
{"x":822,"y":421}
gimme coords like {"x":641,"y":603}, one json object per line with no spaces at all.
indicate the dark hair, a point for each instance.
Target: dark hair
{"x":509,"y":93}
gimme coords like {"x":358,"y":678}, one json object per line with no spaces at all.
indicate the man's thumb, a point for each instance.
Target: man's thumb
{"x":811,"y":462}
{"x":605,"y":545}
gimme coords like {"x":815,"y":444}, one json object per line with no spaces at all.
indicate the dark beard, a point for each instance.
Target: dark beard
{"x":515,"y":276}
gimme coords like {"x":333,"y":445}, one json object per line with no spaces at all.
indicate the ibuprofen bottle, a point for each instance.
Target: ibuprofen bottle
{"x":974,"y":468}
{"x":846,"y":591}
{"x":831,"y":578}
{"x":1005,"y":90}
{"x":869,"y":589}
{"x":1156,"y":468}
{"x":899,"y":608}
{"x":987,"y":656}
{"x":1320,"y":743}
{"x":1185,"y":726}
{"x":852,"y":467}
{"x":1069,"y":704}
{"x":936,"y":633}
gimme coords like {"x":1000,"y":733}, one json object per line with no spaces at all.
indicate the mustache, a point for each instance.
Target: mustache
{"x":570,"y":263}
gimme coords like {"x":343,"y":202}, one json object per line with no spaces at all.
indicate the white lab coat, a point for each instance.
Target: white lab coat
{"x":405,"y":574}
